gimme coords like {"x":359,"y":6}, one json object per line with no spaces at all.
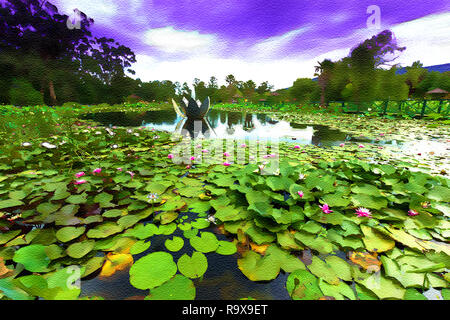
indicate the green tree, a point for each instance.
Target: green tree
{"x":304,"y":90}
{"x":324,"y":71}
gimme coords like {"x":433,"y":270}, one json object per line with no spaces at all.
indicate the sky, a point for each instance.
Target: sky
{"x":262,"y":40}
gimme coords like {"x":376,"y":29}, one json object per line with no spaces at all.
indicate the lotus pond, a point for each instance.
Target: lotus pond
{"x":339,"y":219}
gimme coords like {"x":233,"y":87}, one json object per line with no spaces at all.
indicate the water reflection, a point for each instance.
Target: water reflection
{"x":228,"y":125}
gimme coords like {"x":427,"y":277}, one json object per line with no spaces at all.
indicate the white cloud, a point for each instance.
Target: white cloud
{"x":169,"y":40}
{"x":101,"y":10}
{"x":273,"y":45}
{"x":426,"y":40}
{"x":279,"y":72}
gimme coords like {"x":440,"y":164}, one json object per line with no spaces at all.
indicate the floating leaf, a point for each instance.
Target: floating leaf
{"x":207,"y":242}
{"x":115,"y":262}
{"x":226,"y":248}
{"x":33,"y":257}
{"x":302,"y":285}
{"x":257,"y":268}
{"x":376,"y":241}
{"x":193,"y":267}
{"x":177,"y":288}
{"x":104,"y":230}
{"x":366,"y":260}
{"x":67,"y":234}
{"x":139,"y":247}
{"x":174,"y":244}
{"x":80,"y":249}
{"x":152,"y":270}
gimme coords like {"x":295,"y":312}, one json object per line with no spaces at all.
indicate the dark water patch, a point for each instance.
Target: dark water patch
{"x":222,"y":280}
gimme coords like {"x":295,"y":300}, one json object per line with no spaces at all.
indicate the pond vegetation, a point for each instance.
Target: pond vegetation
{"x":348,"y":221}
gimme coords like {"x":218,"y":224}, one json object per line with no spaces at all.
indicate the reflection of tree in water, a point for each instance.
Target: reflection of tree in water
{"x":160,"y":117}
{"x":323,"y":134}
{"x":190,"y":126}
{"x":213,"y":117}
{"x":234,"y":118}
{"x":261,"y":117}
{"x":248,"y":123}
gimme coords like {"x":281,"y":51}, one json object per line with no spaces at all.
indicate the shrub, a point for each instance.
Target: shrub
{"x":22,"y":93}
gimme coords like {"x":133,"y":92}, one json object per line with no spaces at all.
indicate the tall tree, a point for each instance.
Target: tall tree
{"x":32,"y":27}
{"x":324,"y":71}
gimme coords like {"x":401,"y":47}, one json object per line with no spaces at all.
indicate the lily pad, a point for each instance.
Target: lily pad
{"x":177,"y":288}
{"x":193,"y":267}
{"x":152,"y":270}
{"x":33,"y":258}
{"x":67,"y":234}
{"x":80,"y":249}
{"x":207,"y":242}
{"x":174,"y":244}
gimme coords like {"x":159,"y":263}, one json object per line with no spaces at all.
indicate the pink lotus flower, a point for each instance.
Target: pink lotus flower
{"x":79,"y":174}
{"x":226,"y":164}
{"x":325,"y":208}
{"x":363,"y":212}
{"x":192,"y":158}
{"x":226,"y":154}
{"x":413,"y":213}
{"x":170,"y":156}
{"x":296,"y":147}
{"x":361,"y":146}
{"x":252,"y":157}
{"x":300,"y":193}
{"x":381,"y":134}
{"x":198,"y":146}
{"x":205,"y":151}
{"x":120,"y":169}
{"x":97,"y":170}
{"x":79,"y":182}
{"x":131,"y":174}
{"x":342,"y":144}
{"x":188,"y":167}
{"x":243,"y":145}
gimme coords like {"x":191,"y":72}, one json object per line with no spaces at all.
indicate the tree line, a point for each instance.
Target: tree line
{"x":43,"y":60}
{"x":367,"y":74}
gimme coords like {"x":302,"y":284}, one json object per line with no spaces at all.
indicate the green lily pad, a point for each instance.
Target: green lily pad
{"x":193,"y":267}
{"x":33,"y":258}
{"x":67,"y":234}
{"x":174,"y":244}
{"x":139,"y":247}
{"x":258,"y":268}
{"x":152,"y":270}
{"x":207,"y":242}
{"x":375,"y":241}
{"x":80,"y":249}
{"x":104,"y":230}
{"x":302,"y":285}
{"x":177,"y":288}
{"x":226,"y":248}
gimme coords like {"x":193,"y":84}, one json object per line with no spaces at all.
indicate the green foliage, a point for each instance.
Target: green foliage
{"x":22,"y":93}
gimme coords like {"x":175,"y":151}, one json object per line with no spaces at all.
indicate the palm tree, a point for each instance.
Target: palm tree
{"x":323,"y":72}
